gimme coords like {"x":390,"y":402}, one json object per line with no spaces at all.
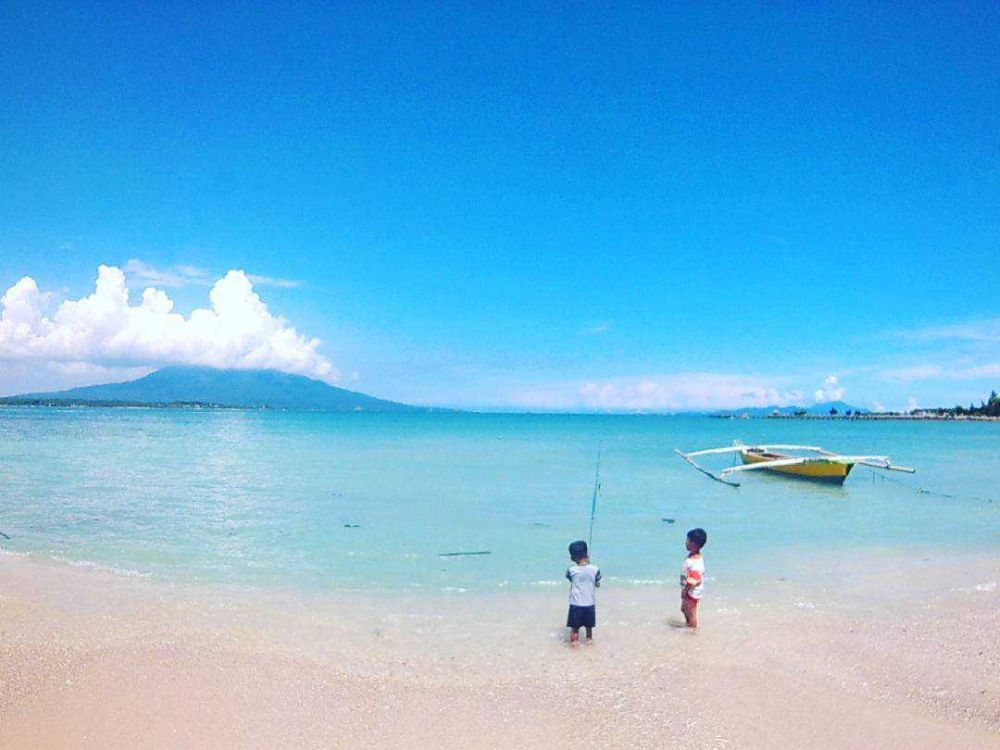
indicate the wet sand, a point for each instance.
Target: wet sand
{"x":901,"y":659}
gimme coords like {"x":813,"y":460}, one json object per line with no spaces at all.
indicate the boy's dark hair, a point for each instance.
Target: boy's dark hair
{"x":578,"y":550}
{"x":698,"y":536}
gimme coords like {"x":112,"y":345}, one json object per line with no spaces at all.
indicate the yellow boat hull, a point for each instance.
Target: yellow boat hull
{"x":816,"y":471}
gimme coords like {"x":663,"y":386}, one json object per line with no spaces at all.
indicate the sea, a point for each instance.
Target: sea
{"x":468,"y":502}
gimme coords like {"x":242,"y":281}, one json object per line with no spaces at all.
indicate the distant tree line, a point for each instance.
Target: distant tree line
{"x":989,"y":408}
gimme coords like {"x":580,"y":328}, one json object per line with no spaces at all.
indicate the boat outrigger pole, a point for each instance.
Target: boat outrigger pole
{"x":879,"y":462}
{"x":706,"y":472}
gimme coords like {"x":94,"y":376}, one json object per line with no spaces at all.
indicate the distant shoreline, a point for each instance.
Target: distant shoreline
{"x":13,"y":401}
{"x":877,"y":417}
{"x":78,"y":403}
{"x":43,"y":403}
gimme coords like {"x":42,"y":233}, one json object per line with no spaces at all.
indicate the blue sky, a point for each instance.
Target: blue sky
{"x":566,"y":207}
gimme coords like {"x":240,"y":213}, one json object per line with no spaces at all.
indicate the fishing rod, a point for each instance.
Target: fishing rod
{"x":593,"y":502}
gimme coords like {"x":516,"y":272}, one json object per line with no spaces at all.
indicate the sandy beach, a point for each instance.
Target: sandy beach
{"x":903,"y":658}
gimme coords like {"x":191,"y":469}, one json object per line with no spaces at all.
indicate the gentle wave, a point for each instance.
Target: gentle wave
{"x":90,"y":565}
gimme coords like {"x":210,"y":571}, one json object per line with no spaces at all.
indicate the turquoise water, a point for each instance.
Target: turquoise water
{"x":367,"y":501}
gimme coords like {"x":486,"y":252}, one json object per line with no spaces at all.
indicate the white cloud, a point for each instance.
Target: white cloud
{"x":103,"y":328}
{"x":914,"y":372}
{"x":175,"y":276}
{"x":911,"y":404}
{"x":831,"y":390}
{"x":26,"y":376}
{"x":678,"y":392}
{"x":188,"y":275}
{"x":77,"y":370}
{"x":271,"y":281}
{"x":973,"y":330}
{"x":936,"y":372}
{"x":981,"y":371}
{"x":598,"y":328}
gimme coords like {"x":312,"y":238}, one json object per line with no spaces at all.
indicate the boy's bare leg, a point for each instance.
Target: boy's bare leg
{"x":690,"y":609}
{"x":574,"y":636}
{"x":590,"y":634}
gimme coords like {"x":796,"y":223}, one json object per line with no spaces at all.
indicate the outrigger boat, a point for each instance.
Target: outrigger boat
{"x":824,"y":466}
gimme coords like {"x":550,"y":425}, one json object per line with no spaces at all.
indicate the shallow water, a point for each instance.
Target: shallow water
{"x":370,"y":501}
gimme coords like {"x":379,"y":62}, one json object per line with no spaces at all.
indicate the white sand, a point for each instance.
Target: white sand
{"x":907,"y":659}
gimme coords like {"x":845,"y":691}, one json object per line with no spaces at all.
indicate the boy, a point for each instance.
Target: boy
{"x":693,"y":576}
{"x":584,"y":579}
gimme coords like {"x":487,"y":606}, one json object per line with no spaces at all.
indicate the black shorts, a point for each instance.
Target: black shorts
{"x":581,"y":617}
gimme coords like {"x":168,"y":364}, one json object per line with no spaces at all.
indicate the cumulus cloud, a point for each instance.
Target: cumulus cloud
{"x":831,"y":390}
{"x":105,"y":329}
{"x":677,"y":392}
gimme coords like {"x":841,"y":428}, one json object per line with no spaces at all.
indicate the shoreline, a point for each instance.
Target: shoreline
{"x":884,"y":417}
{"x":867,"y":417}
{"x":889,"y":658}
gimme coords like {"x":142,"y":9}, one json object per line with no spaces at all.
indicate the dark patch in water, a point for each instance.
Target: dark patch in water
{"x":463,"y":554}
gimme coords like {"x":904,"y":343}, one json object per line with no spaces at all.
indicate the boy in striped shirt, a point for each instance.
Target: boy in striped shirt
{"x":693,"y":576}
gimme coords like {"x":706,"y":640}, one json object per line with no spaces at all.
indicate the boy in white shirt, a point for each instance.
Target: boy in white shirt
{"x":584,"y":579}
{"x":693,"y":576}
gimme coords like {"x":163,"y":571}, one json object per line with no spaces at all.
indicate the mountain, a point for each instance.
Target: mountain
{"x":816,"y":409}
{"x":840,"y":406}
{"x":233,"y":388}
